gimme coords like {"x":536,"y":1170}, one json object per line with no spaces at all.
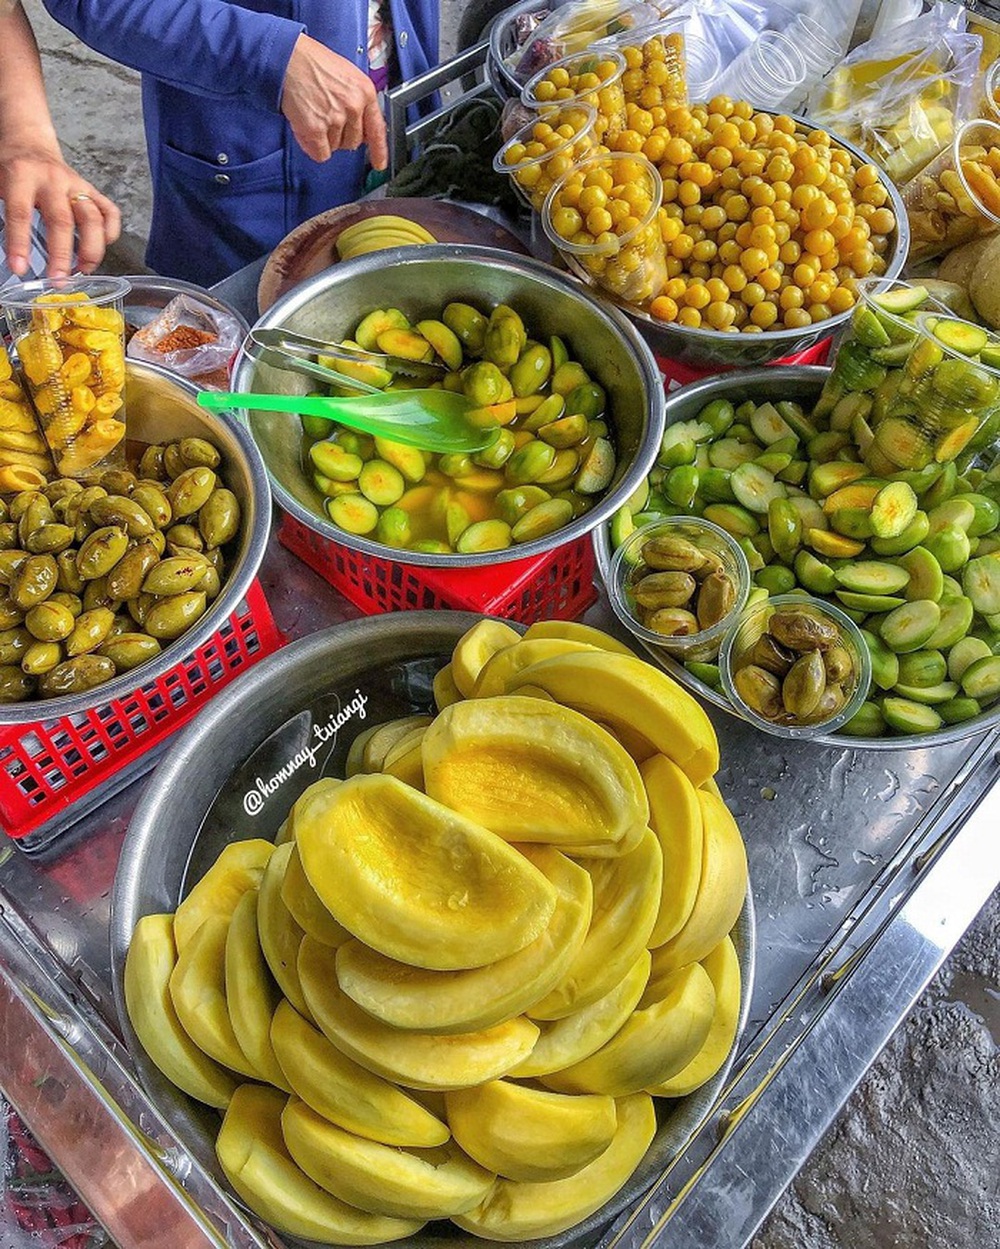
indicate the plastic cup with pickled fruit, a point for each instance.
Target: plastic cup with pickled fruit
{"x":602,"y":217}
{"x":69,"y":335}
{"x":680,"y":584}
{"x":946,"y":401}
{"x":655,"y":64}
{"x":956,"y":198}
{"x":991,"y":93}
{"x":593,"y":77}
{"x":547,"y":147}
{"x":795,"y":666}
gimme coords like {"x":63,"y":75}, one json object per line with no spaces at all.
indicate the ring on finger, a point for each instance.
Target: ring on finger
{"x":79,"y":197}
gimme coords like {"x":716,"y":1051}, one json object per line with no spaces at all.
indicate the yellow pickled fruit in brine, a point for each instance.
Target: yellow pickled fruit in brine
{"x":75,"y":369}
{"x":416,"y":880}
{"x":90,"y":340}
{"x":96,"y":317}
{"x":40,"y":356}
{"x":110,"y":369}
{"x":238,"y":868}
{"x":252,"y":1152}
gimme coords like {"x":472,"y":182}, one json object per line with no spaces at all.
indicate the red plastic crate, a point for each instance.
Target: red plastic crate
{"x":48,"y":766}
{"x":556,"y":586}
{"x":676,"y":374}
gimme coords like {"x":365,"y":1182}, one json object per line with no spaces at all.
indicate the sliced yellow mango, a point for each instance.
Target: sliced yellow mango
{"x":419,"y":1060}
{"x":501,"y":667}
{"x":446,"y":691}
{"x":151,"y":958}
{"x":417,"y":881}
{"x":385,"y":736}
{"x":475,"y":647}
{"x":388,"y":1180}
{"x":529,"y":1134}
{"x":574,"y":631}
{"x":253,"y":1154}
{"x":279,"y":934}
{"x":238,"y":868}
{"x":252,"y":997}
{"x":405,"y":761}
{"x":675,"y":818}
{"x":305,"y":907}
{"x":317,"y":787}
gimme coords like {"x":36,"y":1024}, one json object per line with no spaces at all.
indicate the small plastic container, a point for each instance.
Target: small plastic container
{"x":768,"y":72}
{"x":534,"y":173}
{"x":628,"y":568}
{"x":69,"y":334}
{"x":632,"y":265}
{"x":702,"y":67}
{"x":594,"y":77}
{"x":956,"y":197}
{"x":655,"y":64}
{"x":991,"y":93}
{"x":754,"y":623}
{"x":818,"y":50}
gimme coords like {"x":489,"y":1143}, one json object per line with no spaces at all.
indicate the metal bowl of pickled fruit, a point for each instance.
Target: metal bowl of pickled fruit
{"x":573,"y":386}
{"x":935,"y":673}
{"x":161,"y":410}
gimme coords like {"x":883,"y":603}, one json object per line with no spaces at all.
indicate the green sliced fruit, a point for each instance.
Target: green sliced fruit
{"x":718,"y":416}
{"x":868,"y":329}
{"x":981,"y":583}
{"x":873,"y":577}
{"x":956,"y":621}
{"x":987,"y":514}
{"x":961,"y":336}
{"x":901,"y":299}
{"x":768,"y":425}
{"x":922,"y":668}
{"x":926,"y":578}
{"x":729,"y":454}
{"x":776,"y":579}
{"x":906,"y":716}
{"x":940,"y":488}
{"x":814,"y":574}
{"x":950,"y":546}
{"x":869,"y":603}
{"x":893,"y":510}
{"x":755,"y":487}
{"x":734,"y":519}
{"x":958,"y":710}
{"x":784,"y":527}
{"x":792,"y":414}
{"x":964,"y":654}
{"x":981,"y":680}
{"x":867,"y":721}
{"x":824,"y":479}
{"x":714,"y":486}
{"x":928,"y":695}
{"x":910,"y":627}
{"x":954,"y":513}
{"x":914,"y":533}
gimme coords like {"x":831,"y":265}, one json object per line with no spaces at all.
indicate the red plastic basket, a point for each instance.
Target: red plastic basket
{"x":48,"y":766}
{"x":676,"y":374}
{"x":558,"y":585}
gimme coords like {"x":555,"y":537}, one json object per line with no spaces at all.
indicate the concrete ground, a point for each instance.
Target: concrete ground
{"x":912,"y":1161}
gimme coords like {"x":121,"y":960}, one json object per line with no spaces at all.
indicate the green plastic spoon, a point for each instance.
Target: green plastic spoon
{"x":433,"y":420}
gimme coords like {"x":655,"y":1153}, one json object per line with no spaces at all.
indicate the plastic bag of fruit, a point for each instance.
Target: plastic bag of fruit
{"x":901,"y":96}
{"x":573,"y":27}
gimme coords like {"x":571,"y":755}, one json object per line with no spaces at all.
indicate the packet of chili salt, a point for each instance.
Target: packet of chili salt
{"x":190,"y":338}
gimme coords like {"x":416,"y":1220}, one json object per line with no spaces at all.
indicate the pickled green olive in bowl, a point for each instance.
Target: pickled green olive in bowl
{"x":553,"y":455}
{"x":95,"y":580}
{"x":795,"y":667}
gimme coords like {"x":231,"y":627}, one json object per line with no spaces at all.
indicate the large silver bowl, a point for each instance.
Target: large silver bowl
{"x":200,"y":796}
{"x":162,"y":407}
{"x":803,"y":383}
{"x":420,"y":281}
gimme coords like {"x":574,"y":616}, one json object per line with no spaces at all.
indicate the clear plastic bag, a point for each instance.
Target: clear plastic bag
{"x":901,"y":97}
{"x":190,"y":338}
{"x":572,"y":27}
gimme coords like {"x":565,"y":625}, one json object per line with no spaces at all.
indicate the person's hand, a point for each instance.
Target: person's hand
{"x":36,"y":176}
{"x":330,"y":104}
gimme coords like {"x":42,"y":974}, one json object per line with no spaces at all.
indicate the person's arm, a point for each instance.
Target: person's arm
{"x":216,"y":48}
{"x":33,"y":173}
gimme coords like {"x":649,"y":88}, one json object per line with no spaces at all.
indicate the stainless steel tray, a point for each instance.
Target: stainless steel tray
{"x":170,"y":843}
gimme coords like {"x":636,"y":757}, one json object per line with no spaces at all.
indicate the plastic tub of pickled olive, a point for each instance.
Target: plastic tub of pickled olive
{"x":795,"y":667}
{"x":680,"y":584}
{"x":545,"y":148}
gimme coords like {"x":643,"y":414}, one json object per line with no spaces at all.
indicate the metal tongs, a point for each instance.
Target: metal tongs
{"x":287,"y":350}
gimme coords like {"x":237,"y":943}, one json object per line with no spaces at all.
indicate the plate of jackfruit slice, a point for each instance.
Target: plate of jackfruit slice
{"x":451,"y":941}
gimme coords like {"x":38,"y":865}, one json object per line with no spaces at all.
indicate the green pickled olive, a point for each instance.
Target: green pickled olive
{"x":211,"y":584}
{"x":804,"y":686}
{"x":409,"y":460}
{"x":123,"y":512}
{"x":769,"y":654}
{"x":90,"y":629}
{"x":560,"y":352}
{"x":529,"y":463}
{"x":154,"y":503}
{"x":213,"y":555}
{"x":910,"y":627}
{"x":50,"y":539}
{"x":484,"y":384}
{"x":68,"y":579}
{"x":4,"y":511}
{"x":716,"y":599}
{"x":139,"y":607}
{"x":981,"y":680}
{"x":118,"y":481}
{"x":669,"y":553}
{"x":76,"y":676}
{"x":681,"y":485}
{"x":123,"y":623}
{"x":10,"y":562}
{"x":49,"y":621}
{"x":100,"y":551}
{"x":13,"y":644}
{"x":922,"y":669}
{"x":760,"y":690}
{"x":198,"y":453}
{"x":587,"y":398}
{"x":96,"y":594}
{"x":41,"y":657}
{"x":190,"y":490}
{"x":950,"y":546}
{"x":568,"y":431}
{"x":963,"y":654}
{"x":559,"y":476}
{"x":188,"y":536}
{"x":456,"y":465}
{"x":354,"y":442}
{"x":124,"y":581}
{"x":784,"y":528}
{"x":468,"y":325}
{"x":151,"y":463}
{"x":672,"y":622}
{"x":38,"y":513}
{"x":714,"y":486}
{"x":315,"y":427}
{"x":431,"y":546}
{"x":497,"y":455}
{"x":15,"y":685}
{"x":8,"y":535}
{"x":83,"y":528}
{"x":958,"y":710}
{"x":776,"y":579}
{"x":21,"y":501}
{"x":72,"y":602}
{"x":531,"y":371}
{"x":168,"y":618}
{"x":10,"y":615}
{"x":175,"y":575}
{"x":514,"y":503}
{"x":867,"y":721}
{"x":838,"y":664}
{"x":484,"y":535}
{"x":567,"y":377}
{"x":394,"y":528}
{"x":219,"y":517}
{"x":664,"y":589}
{"x":543,"y":519}
{"x":718,"y":416}
{"x":173,"y":461}
{"x":129,"y":650}
{"x":551,"y":409}
{"x":380,"y":483}
{"x":506,"y":337}
{"x":34,"y":581}
{"x":353,"y":513}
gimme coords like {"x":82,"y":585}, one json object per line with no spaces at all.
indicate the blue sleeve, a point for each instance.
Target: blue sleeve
{"x":210,"y":47}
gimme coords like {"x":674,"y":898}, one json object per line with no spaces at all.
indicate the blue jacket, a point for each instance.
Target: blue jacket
{"x":229,"y":179}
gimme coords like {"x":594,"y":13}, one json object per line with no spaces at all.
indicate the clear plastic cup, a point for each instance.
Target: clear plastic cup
{"x":819,"y":51}
{"x":956,"y":197}
{"x":766,"y":708}
{"x":628,"y":568}
{"x":594,"y":77}
{"x":767,"y":72}
{"x":655,"y":64}
{"x":703,"y":65}
{"x":534,"y":172}
{"x":627,"y":258}
{"x":991,"y":93}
